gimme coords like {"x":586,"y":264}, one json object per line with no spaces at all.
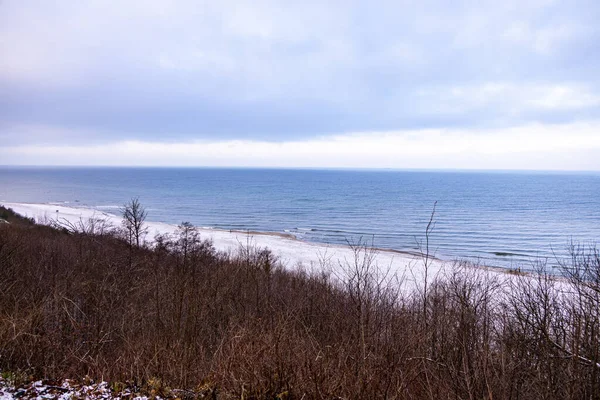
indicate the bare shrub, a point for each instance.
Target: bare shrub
{"x":94,"y":225}
{"x":241,"y":326}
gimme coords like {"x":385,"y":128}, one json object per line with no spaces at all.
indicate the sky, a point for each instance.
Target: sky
{"x":352,"y":84}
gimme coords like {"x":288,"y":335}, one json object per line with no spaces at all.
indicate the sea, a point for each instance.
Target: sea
{"x":498,"y":218}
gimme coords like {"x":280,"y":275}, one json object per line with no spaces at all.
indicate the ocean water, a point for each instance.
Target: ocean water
{"x":506,"y":219}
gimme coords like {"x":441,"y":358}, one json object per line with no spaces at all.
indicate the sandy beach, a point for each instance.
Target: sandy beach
{"x":293,"y":253}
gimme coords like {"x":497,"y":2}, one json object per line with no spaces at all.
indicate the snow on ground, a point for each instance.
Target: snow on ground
{"x":293,"y":253}
{"x":68,"y":389}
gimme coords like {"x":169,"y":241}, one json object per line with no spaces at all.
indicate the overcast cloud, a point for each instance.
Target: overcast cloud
{"x":172,"y":82}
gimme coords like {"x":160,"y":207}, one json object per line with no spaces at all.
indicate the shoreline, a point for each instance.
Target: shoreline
{"x":293,"y":253}
{"x":69,"y":212}
{"x":295,"y":238}
{"x":289,"y":250}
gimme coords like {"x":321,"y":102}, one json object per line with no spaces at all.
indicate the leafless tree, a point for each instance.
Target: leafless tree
{"x":426,"y":258}
{"x":134,"y":217}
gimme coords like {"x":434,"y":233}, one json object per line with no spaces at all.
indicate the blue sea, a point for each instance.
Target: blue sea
{"x":507,"y":219}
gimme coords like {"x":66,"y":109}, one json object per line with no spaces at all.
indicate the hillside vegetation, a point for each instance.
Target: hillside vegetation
{"x":77,"y":303}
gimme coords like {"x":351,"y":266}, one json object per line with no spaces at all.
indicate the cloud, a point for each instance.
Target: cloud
{"x":153,"y":71}
{"x":534,"y":146}
{"x":510,"y":99}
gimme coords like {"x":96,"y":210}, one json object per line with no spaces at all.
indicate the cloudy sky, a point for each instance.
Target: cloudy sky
{"x":423,"y":84}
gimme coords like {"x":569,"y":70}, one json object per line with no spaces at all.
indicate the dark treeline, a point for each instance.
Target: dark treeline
{"x":77,"y":302}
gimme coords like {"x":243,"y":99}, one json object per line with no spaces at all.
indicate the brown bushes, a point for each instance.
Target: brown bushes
{"x":242,"y":327}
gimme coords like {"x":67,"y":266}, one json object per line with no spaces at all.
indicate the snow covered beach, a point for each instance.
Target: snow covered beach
{"x":291,"y":252}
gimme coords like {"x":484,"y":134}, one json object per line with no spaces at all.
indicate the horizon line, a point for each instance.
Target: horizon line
{"x":291,"y":168}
